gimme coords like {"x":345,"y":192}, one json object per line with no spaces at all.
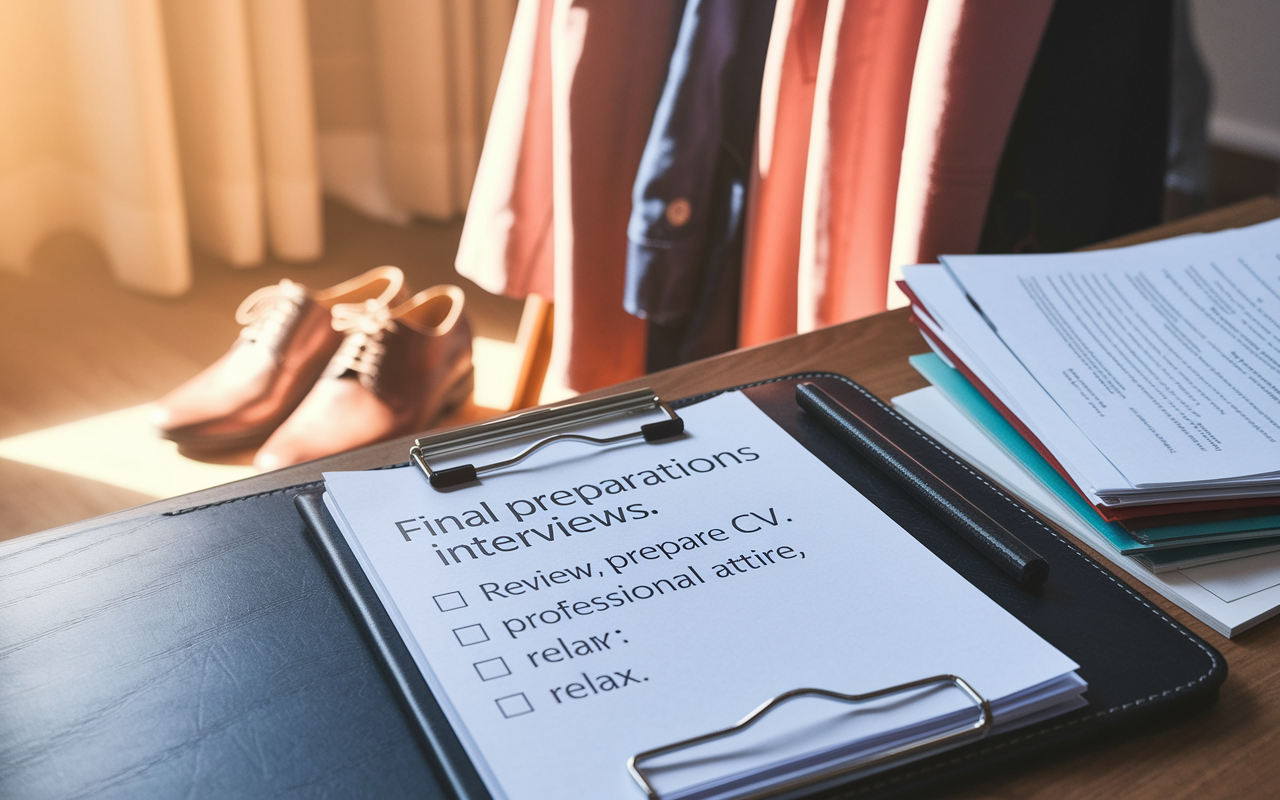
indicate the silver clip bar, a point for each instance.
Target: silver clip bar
{"x":902,"y":753}
{"x":539,"y":420}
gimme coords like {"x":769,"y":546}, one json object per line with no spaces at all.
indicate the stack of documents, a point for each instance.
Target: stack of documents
{"x":1137,"y":388}
{"x":595,"y":603}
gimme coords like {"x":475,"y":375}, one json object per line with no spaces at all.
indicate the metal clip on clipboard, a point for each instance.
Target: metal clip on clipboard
{"x":892,"y":757}
{"x":551,"y":421}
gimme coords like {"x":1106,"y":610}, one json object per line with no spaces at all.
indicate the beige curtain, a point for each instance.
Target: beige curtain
{"x":87,"y":137}
{"x":403,"y":89}
{"x":140,"y":122}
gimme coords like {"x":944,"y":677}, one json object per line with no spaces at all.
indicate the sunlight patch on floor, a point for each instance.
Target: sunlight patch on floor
{"x":120,"y":448}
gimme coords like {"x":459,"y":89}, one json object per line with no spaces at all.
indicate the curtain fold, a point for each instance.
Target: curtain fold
{"x":87,"y":139}
{"x":403,"y":90}
{"x":426,"y":149}
{"x":138,"y":122}
{"x":286,"y":112}
{"x":211,"y":73}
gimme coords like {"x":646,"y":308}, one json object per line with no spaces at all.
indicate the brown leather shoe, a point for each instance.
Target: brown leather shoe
{"x":396,"y":373}
{"x":287,"y":340}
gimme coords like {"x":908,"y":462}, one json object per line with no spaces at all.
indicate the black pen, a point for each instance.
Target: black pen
{"x":990,"y":537}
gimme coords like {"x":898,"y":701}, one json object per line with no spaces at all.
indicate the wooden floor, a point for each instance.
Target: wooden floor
{"x":73,"y":344}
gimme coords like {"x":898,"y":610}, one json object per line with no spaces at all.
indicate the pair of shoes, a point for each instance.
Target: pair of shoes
{"x":288,"y":338}
{"x":397,"y":371}
{"x":316,"y":373}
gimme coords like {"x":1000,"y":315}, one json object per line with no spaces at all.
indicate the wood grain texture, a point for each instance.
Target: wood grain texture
{"x":1226,"y":751}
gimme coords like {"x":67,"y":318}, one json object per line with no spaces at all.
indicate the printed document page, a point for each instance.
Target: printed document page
{"x":953,"y":321}
{"x":594,"y":603}
{"x":1166,"y":356}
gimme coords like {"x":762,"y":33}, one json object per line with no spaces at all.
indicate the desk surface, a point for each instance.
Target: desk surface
{"x":1227,"y":751}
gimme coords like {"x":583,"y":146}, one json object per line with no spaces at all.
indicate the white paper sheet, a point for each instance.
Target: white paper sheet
{"x":708,"y":574}
{"x":1166,"y":356}
{"x":962,"y":330}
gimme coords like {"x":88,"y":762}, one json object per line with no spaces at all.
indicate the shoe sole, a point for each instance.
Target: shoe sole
{"x":211,"y":445}
{"x":454,"y":398}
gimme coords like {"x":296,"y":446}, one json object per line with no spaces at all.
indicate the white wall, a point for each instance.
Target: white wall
{"x":1240,"y":43}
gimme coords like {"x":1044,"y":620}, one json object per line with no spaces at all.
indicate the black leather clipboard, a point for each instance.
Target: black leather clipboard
{"x":211,"y":651}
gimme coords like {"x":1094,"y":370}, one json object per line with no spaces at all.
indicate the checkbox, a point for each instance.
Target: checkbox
{"x":450,"y":601}
{"x":513,"y":705}
{"x":471,"y":634}
{"x":492,"y":668}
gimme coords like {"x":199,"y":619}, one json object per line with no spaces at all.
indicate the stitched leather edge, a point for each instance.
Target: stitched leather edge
{"x":228,"y":501}
{"x":297,"y":486}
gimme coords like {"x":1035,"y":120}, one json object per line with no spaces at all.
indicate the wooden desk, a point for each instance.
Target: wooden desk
{"x":1227,"y":751}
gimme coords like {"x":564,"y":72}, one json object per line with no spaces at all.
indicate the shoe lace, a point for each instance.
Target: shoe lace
{"x":366,"y":325}
{"x":268,"y":314}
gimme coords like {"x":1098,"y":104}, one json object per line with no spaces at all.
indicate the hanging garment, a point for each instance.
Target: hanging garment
{"x":836,"y":108}
{"x":688,"y":204}
{"x":1189,"y":165}
{"x":1085,"y":160}
{"x":506,"y":244}
{"x":910,"y":106}
{"x":607,"y":62}
{"x":772,"y":248}
{"x":970,"y":71}
{"x":855,"y":153}
{"x":842,"y":234}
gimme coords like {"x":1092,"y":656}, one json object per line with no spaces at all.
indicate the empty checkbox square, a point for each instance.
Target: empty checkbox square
{"x":492,"y":668}
{"x":471,"y":634}
{"x":450,"y":601}
{"x":513,"y":705}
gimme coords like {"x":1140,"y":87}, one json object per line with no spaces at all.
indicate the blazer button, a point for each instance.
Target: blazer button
{"x":678,"y":212}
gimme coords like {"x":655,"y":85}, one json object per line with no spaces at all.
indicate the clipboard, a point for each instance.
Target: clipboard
{"x":1139,"y":663}
{"x":210,"y":650}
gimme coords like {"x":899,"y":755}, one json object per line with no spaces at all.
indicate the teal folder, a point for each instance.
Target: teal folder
{"x":1160,"y":548}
